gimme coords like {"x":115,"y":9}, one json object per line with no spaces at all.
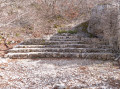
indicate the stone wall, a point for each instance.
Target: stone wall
{"x":104,"y":23}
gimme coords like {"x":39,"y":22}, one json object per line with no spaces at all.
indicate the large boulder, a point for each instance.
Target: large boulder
{"x":104,"y":23}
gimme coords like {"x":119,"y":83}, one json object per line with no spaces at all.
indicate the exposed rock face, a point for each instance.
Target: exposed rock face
{"x":118,"y":27}
{"x":95,"y":21}
{"x":104,"y":23}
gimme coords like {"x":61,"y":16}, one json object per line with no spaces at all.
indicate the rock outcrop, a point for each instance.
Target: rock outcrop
{"x":105,"y":24}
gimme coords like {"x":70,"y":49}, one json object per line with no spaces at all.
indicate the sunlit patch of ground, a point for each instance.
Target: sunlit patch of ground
{"x":43,"y":74}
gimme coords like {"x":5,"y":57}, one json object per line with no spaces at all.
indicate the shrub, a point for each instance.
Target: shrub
{"x":83,"y":26}
{"x":56,"y":26}
{"x":62,"y":31}
{"x":1,"y":37}
{"x":72,"y":31}
{"x":8,"y":43}
{"x":91,"y":35}
{"x":17,"y":34}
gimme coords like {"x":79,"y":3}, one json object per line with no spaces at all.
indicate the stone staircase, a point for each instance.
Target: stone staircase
{"x":63,"y":45}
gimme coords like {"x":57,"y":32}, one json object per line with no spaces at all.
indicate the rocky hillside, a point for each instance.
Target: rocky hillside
{"x":31,"y":18}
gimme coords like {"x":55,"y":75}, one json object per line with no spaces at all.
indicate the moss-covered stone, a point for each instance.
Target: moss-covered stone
{"x":72,"y":31}
{"x":83,"y":26}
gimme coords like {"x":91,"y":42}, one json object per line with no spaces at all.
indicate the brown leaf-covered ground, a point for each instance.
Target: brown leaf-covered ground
{"x":44,"y":73}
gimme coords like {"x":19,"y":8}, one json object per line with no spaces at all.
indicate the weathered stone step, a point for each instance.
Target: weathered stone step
{"x":95,"y":40}
{"x":64,"y":46}
{"x":65,"y":34}
{"x":36,"y":42}
{"x":74,"y":38}
{"x":76,"y":50}
{"x":43,"y":42}
{"x":33,"y":55}
{"x":64,"y":37}
{"x":67,"y":39}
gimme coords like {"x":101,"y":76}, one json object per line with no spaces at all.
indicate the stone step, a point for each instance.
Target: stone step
{"x":33,"y":55}
{"x":95,"y":40}
{"x":37,"y":42}
{"x":73,"y":38}
{"x":75,"y":50}
{"x":43,"y":42}
{"x":64,"y":37}
{"x":64,"y":46}
{"x":67,"y":39}
{"x":66,"y":34}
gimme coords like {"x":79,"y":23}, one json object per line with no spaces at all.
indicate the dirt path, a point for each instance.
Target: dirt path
{"x":43,"y":74}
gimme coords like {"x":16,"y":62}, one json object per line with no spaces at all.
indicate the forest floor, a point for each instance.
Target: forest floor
{"x":44,"y":73}
{"x":4,"y":49}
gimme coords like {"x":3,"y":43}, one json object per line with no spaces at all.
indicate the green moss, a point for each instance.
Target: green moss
{"x":62,"y":31}
{"x":42,"y":42}
{"x":83,"y":26}
{"x":57,"y":17}
{"x":91,"y":35}
{"x":1,"y":37}
{"x":17,"y":34}
{"x":56,"y":26}
{"x":9,"y":42}
{"x":72,"y":31}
